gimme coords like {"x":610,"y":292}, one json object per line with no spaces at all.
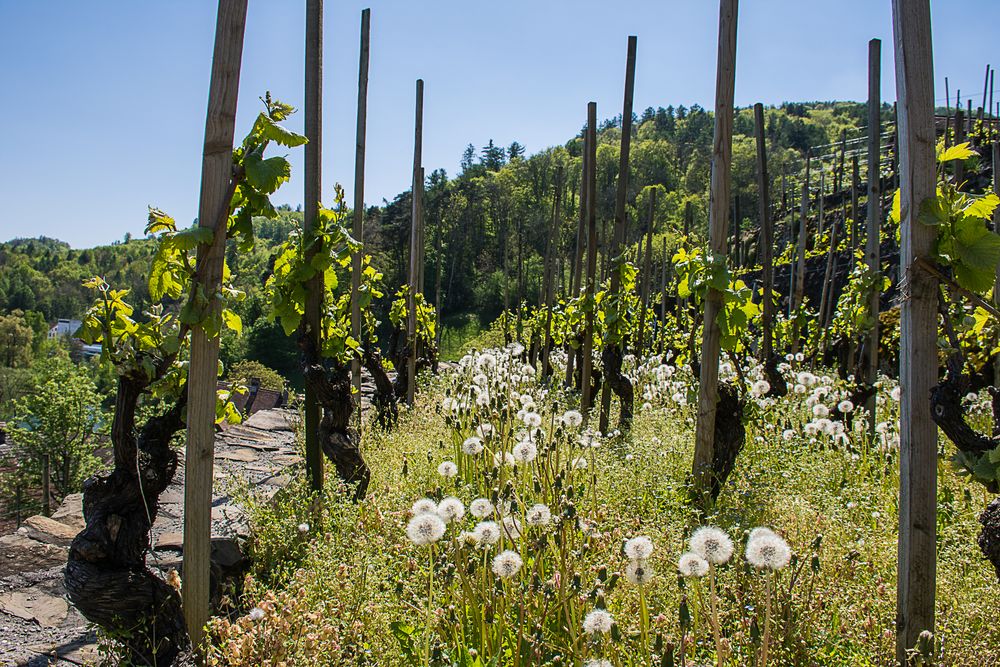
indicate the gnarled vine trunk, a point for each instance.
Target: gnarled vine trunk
{"x":730,"y":435}
{"x":340,"y":442}
{"x":947,"y":412}
{"x":774,"y":377}
{"x":106,"y":576}
{"x":611,"y":359}
{"x":384,"y":399}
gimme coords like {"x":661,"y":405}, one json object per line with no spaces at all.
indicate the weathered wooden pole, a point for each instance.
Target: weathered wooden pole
{"x":800,"y":248}
{"x":986,"y":86}
{"x":646,"y":277}
{"x":612,"y":354}
{"x":766,"y":234}
{"x":578,"y":255}
{"x":874,"y":214}
{"x":587,"y":360}
{"x":918,"y":364}
{"x":959,"y":138}
{"x":415,"y":237}
{"x":947,"y":114}
{"x":213,"y":211}
{"x":46,"y":485}
{"x":313,"y":176}
{"x":663,"y":291}
{"x":548,"y":271}
{"x":996,"y":228}
{"x":854,"y":203}
{"x":722,"y":154}
{"x":359,"y":195}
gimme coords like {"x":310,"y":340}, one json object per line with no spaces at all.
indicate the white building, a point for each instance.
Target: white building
{"x":64,"y":328}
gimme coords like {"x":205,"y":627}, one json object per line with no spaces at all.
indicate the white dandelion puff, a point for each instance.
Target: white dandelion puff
{"x":639,"y":548}
{"x":423,"y":506}
{"x":845,"y":406}
{"x":525,"y":451}
{"x":506,"y":564}
{"x":256,"y":614}
{"x":481,"y":508}
{"x":572,"y":418}
{"x":512,"y":527}
{"x":303,"y":528}
{"x":487,"y":532}
{"x":692,"y":565}
{"x":447,"y":469}
{"x":425,"y":529}
{"x":451,"y":509}
{"x":768,"y":551}
{"x":598,"y":621}
{"x":639,"y":572}
{"x":712,"y":544}
{"x":538,"y":515}
{"x":473,"y":445}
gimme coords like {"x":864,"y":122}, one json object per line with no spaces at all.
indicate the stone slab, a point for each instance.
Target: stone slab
{"x":19,"y":553}
{"x":70,"y":512}
{"x":49,"y":531}
{"x":33,"y":604}
{"x":269,"y":420}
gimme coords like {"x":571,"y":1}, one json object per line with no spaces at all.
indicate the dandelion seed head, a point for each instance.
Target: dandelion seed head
{"x":712,"y":544}
{"x":598,"y":621}
{"x":447,"y":469}
{"x":768,"y":551}
{"x":525,"y":451}
{"x":451,"y":509}
{"x":538,"y":515}
{"x":423,"y":506}
{"x":639,"y":572}
{"x":506,"y":564}
{"x":481,"y":508}
{"x":425,"y":529}
{"x":572,"y":418}
{"x":303,"y":528}
{"x":487,"y":532}
{"x":472,"y":446}
{"x":692,"y":565}
{"x":256,"y":614}
{"x":639,"y":548}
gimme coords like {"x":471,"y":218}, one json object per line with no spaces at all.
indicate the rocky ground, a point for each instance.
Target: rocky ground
{"x":37,"y":624}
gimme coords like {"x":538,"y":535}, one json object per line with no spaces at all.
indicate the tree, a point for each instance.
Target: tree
{"x":468,"y":158}
{"x":15,"y":341}
{"x":492,"y":157}
{"x":60,"y":420}
{"x":514,"y":151}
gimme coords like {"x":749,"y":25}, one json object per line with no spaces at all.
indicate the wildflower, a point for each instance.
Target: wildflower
{"x":487,"y":532}
{"x":579,"y":463}
{"x":759,"y":531}
{"x":473,"y":445}
{"x":468,"y":538}
{"x":507,"y":564}
{"x":525,"y":451}
{"x":539,"y":515}
{"x":532,"y":419}
{"x":894,"y":394}
{"x":480,"y":380}
{"x":821,"y":410}
{"x":572,"y":418}
{"x":256,"y":614}
{"x":760,"y":387}
{"x":425,"y":529}
{"x":447,"y":469}
{"x":639,"y":572}
{"x":639,"y":548}
{"x":485,"y":430}
{"x":692,"y":565}
{"x":712,"y":544}
{"x":451,"y":509}
{"x":174,"y":579}
{"x":767,"y":551}
{"x":598,"y":621}
{"x":597,"y":662}
{"x":845,"y":406}
{"x":516,"y":349}
{"x":481,"y":508}
{"x":423,"y":506}
{"x":788,"y":434}
{"x":800,"y":357}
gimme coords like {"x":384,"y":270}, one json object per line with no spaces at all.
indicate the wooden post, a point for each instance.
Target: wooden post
{"x":918,"y":362}
{"x":947,"y":113}
{"x":996,"y":228}
{"x":874,"y":214}
{"x":722,"y":154}
{"x":766,"y":233}
{"x":959,"y":138}
{"x":587,"y":361}
{"x":986,"y":86}
{"x":313,"y":173}
{"x":800,"y":250}
{"x":359,"y":196}
{"x":621,"y":221}
{"x":663,"y":285}
{"x":548,"y":271}
{"x":646,"y":277}
{"x":854,"y":203}
{"x":581,"y":240}
{"x":213,"y":210}
{"x":415,"y":237}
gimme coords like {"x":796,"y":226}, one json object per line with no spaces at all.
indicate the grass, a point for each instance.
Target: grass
{"x":351,"y":589}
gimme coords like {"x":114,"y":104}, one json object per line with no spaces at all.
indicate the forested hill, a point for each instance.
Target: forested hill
{"x":486,"y":228}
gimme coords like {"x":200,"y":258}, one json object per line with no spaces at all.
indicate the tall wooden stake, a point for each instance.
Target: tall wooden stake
{"x":581,"y":241}
{"x":646,"y":277}
{"x":547,"y":278}
{"x":722,"y":154}
{"x":313,"y":173}
{"x":766,"y":233}
{"x":918,"y":364}
{"x":874,"y":212}
{"x":800,"y":252}
{"x":213,"y":210}
{"x":359,"y":195}
{"x":587,"y":360}
{"x":415,"y":243}
{"x":621,"y":221}
{"x":996,"y":228}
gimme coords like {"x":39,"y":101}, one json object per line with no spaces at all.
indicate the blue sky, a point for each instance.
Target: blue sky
{"x":106,"y":100}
